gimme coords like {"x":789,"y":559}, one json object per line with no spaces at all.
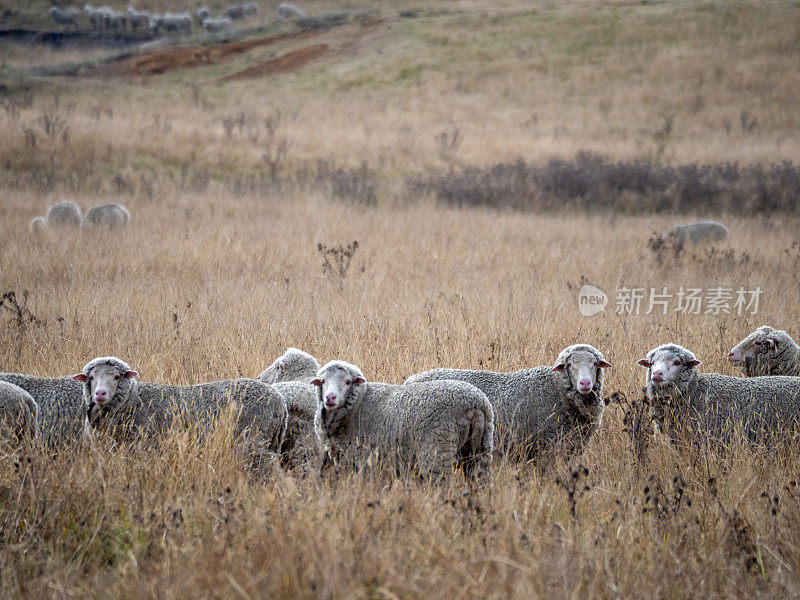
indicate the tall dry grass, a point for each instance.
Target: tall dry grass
{"x":213,"y":286}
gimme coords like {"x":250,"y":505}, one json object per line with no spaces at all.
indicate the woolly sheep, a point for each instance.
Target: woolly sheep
{"x":65,"y":16}
{"x":117,"y":402}
{"x":176,"y":23}
{"x":287,"y":10}
{"x":19,"y":414}
{"x":106,"y":215}
{"x":767,"y":351}
{"x":64,"y":213}
{"x":539,"y":407}
{"x":714,"y":404}
{"x":202,"y":14}
{"x":138,"y":18}
{"x":61,"y":412}
{"x":240,"y":11}
{"x":700,"y":231}
{"x":217,"y":25}
{"x":291,"y":375}
{"x":431,"y":426}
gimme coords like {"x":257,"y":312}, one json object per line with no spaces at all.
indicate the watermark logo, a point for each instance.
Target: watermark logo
{"x":591,"y":300}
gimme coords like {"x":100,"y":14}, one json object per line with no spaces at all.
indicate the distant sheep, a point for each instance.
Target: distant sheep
{"x":175,"y":23}
{"x":767,"y":351}
{"x":217,"y":25}
{"x":701,"y":231}
{"x":64,"y":16}
{"x":96,"y":16}
{"x":240,"y":11}
{"x":63,"y":214}
{"x":287,"y":10}
{"x":138,"y":19}
{"x":106,"y":216}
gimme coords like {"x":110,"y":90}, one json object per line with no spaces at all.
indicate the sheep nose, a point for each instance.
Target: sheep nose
{"x":100,"y":395}
{"x":658,"y":375}
{"x":585,"y":382}
{"x":330,"y":397}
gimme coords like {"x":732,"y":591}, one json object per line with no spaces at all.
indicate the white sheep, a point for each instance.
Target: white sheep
{"x":701,"y":231}
{"x":430,"y":427}
{"x":287,"y":10}
{"x":19,"y":414}
{"x":539,"y":408}
{"x":291,"y":375}
{"x":62,"y":214}
{"x":176,"y":23}
{"x":217,"y":25}
{"x":240,"y":11}
{"x":64,"y":16}
{"x":767,"y":351}
{"x":115,"y":401}
{"x":106,"y":216}
{"x":138,"y":18}
{"x":713,"y":404}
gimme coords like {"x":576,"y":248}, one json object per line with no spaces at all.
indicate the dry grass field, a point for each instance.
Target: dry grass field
{"x":233,"y":186}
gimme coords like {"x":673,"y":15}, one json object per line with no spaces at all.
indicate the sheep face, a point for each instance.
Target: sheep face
{"x":582,"y":367}
{"x":337,"y":382}
{"x":757,"y":349}
{"x":102,"y":381}
{"x":669,"y":366}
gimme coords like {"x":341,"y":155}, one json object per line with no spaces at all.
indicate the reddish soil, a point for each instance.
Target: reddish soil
{"x":285,"y":63}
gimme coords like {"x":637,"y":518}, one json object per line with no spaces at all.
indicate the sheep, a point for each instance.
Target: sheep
{"x":536,"y":409}
{"x":240,"y":11}
{"x":291,"y":375}
{"x":66,"y":16}
{"x":62,"y":214}
{"x":287,"y":10}
{"x":116,"y":402}
{"x":61,"y":414}
{"x":176,"y":23}
{"x":19,"y":414}
{"x":138,"y":18}
{"x":715,"y":405}
{"x":700,"y":231}
{"x":430,"y":426}
{"x":106,"y":216}
{"x":217,"y":25}
{"x":767,"y":351}
{"x":97,"y":17}
{"x":202,"y":14}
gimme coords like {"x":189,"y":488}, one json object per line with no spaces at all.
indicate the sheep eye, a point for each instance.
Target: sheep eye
{"x":116,"y":377}
{"x":348,"y":382}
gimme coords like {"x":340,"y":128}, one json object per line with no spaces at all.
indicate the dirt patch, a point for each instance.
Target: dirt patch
{"x":285,"y":63}
{"x":171,"y":59}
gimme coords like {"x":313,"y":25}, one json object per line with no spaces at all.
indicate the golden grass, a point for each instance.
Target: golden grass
{"x":211,"y":284}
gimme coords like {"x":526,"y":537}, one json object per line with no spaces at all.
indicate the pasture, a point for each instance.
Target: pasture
{"x":615,"y":121}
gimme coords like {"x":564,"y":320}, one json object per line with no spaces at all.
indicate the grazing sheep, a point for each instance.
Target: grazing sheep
{"x":138,"y":18}
{"x":202,"y":14}
{"x":536,"y":409}
{"x":106,"y":215}
{"x":287,"y":10}
{"x":61,"y":413}
{"x":119,"y":403}
{"x":700,"y":231}
{"x":240,"y":11}
{"x":65,"y":16}
{"x":432,"y":426}
{"x":64,"y":213}
{"x":217,"y":25}
{"x":19,"y":414}
{"x":176,"y":23}
{"x":291,"y":375}
{"x":767,"y":351}
{"x":713,"y":404}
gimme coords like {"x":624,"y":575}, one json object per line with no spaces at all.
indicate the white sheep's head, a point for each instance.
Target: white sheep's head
{"x":293,"y":365}
{"x":106,"y":384}
{"x":337,"y":381}
{"x":669,"y":365}
{"x":584,"y":365}
{"x":757,"y":351}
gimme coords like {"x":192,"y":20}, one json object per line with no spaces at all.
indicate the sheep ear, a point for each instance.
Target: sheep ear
{"x":80,"y":377}
{"x":559,"y":367}
{"x":359,"y":380}
{"x":317,"y":382}
{"x":645,"y":363}
{"x":130,"y":374}
{"x":603,"y":365}
{"x":693,"y":363}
